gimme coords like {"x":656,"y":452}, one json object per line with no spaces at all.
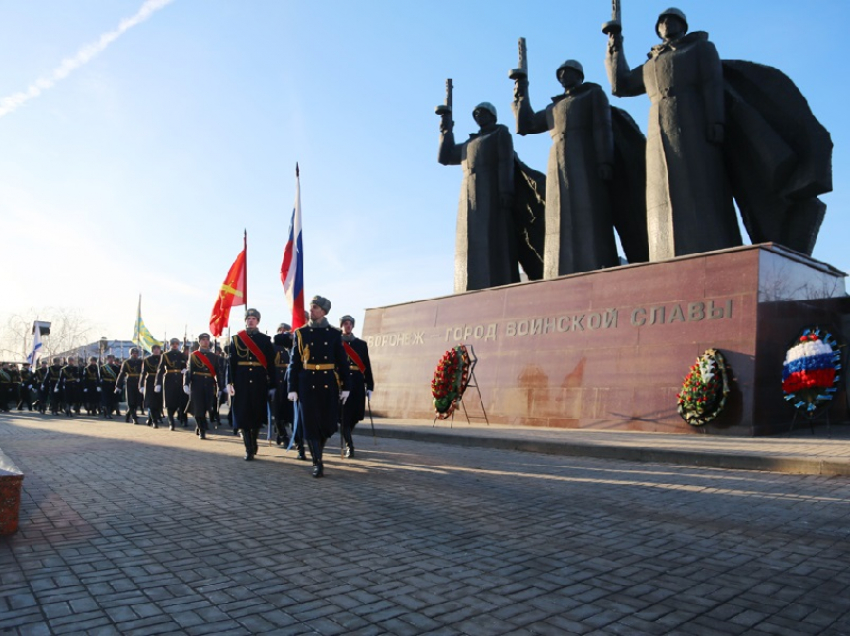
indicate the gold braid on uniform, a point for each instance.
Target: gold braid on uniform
{"x":302,"y":350}
{"x":241,"y":349}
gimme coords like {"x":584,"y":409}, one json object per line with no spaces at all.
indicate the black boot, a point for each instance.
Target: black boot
{"x":319,"y":470}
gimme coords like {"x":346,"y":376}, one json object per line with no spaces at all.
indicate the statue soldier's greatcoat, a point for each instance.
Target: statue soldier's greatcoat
{"x":688,"y":199}
{"x":579,"y":224}
{"x":485,"y":248}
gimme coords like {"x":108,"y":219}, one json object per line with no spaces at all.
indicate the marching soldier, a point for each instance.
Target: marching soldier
{"x":128,"y":379}
{"x":5,"y":387}
{"x":147,"y":383}
{"x":282,"y":407}
{"x":362,"y":383}
{"x":171,"y":367}
{"x":252,"y":376}
{"x":26,"y":387}
{"x":52,"y":385}
{"x":38,"y":379}
{"x":109,"y":383}
{"x":15,"y":393}
{"x":69,"y":384}
{"x":201,"y":382}
{"x":91,"y":386}
{"x":318,"y":370}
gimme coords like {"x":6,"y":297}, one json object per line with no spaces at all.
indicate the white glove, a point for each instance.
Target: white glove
{"x":56,"y":390}
{"x":344,"y":396}
{"x":99,"y":390}
{"x":85,"y":390}
{"x":157,"y":388}
{"x":186,"y":389}
{"x":117,"y":390}
{"x":142,"y":390}
{"x":231,"y":390}
{"x":185,"y":371}
{"x":271,"y":394}
{"x":292,"y":396}
{"x":369,"y":394}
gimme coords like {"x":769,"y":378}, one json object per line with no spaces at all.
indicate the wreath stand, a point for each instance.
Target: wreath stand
{"x":823,"y":414}
{"x":472,"y":382}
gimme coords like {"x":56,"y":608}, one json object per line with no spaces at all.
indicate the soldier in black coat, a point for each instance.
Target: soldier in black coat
{"x":362,"y":383}
{"x":108,"y":383}
{"x":69,"y":385}
{"x":318,"y":378}
{"x":282,"y":407}
{"x":38,"y":378}
{"x":53,"y":386}
{"x":252,"y":380}
{"x":91,"y":386}
{"x":128,"y":378}
{"x":26,"y":387}
{"x":200,"y":382}
{"x":147,"y":383}
{"x":171,"y":368}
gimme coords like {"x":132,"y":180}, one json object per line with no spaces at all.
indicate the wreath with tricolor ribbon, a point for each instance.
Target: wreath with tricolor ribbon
{"x":450,"y":379}
{"x":705,"y":389}
{"x":810,"y":373}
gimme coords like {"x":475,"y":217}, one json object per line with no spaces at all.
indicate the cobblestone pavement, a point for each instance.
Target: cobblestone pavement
{"x":125,"y":529}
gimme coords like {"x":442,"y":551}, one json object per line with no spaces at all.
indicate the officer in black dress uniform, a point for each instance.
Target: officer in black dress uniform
{"x":318,"y":371}
{"x":153,"y":398}
{"x":201,"y":382}
{"x":128,"y":379}
{"x":26,"y":387}
{"x":362,"y":383}
{"x":38,"y":378}
{"x":252,"y":377}
{"x":91,"y":386}
{"x":171,"y":368}
{"x":108,"y":383}
{"x":53,"y":386}
{"x":69,"y":385}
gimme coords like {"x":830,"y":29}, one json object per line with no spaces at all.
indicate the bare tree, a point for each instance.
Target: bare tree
{"x":69,"y":329}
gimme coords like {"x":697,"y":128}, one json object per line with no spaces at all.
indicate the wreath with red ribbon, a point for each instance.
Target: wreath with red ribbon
{"x":705,"y":389}
{"x":450,"y":379}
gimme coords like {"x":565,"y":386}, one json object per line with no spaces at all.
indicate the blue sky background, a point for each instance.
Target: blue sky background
{"x":137,"y":172}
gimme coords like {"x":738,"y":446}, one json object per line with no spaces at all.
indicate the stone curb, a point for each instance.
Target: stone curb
{"x":737,"y":461}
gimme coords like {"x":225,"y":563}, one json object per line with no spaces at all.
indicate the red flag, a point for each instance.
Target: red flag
{"x":231,"y":294}
{"x":292,"y":269}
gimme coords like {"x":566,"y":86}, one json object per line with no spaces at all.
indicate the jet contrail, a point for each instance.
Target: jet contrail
{"x":84,"y":55}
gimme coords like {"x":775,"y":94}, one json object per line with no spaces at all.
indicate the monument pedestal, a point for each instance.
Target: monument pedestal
{"x":610,"y":349}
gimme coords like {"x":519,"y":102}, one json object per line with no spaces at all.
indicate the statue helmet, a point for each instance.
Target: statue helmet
{"x":486,"y":106}
{"x":573,"y":64}
{"x":672,"y":11}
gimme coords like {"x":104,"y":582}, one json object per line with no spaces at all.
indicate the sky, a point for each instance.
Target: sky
{"x":138,"y":140}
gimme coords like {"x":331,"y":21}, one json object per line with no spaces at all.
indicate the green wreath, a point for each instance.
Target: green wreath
{"x":705,"y":389}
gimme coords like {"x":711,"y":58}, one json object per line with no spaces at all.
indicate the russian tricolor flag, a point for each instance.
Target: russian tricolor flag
{"x":292,"y":269}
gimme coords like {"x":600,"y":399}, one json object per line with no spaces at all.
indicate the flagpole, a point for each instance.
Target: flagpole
{"x":245,"y":247}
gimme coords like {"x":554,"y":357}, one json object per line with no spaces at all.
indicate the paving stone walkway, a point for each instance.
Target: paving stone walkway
{"x":129,"y":530}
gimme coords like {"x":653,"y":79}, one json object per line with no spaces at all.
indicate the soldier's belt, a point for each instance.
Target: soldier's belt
{"x":319,"y":367}
{"x":249,"y":364}
{"x":282,"y":366}
{"x":70,"y":380}
{"x":174,"y":370}
{"x":354,"y":367}
{"x":134,"y":375}
{"x":203,"y":373}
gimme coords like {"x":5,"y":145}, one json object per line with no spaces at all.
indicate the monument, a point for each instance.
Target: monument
{"x":608,"y":347}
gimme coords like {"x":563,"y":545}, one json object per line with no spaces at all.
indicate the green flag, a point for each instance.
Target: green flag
{"x":141,"y":335}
